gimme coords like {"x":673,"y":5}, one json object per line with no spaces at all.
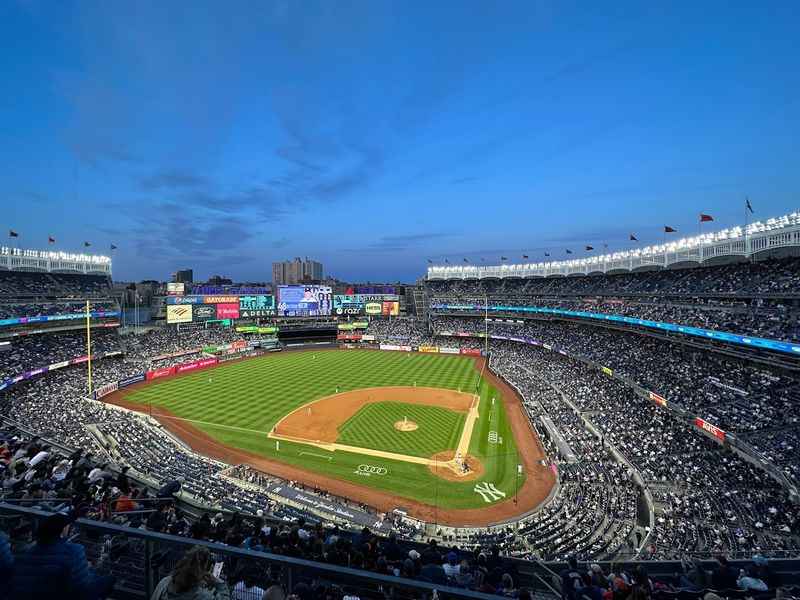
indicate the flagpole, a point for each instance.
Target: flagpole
{"x":89,"y":347}
{"x":746,"y":218}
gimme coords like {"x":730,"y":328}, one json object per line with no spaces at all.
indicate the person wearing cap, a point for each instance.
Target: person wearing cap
{"x":451,"y":566}
{"x":56,"y":568}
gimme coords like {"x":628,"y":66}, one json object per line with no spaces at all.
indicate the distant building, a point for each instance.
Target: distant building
{"x":219,"y":280}
{"x":184,"y":276}
{"x":295,"y":271}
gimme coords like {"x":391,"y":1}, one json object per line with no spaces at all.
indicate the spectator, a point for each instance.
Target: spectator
{"x":192,"y":580}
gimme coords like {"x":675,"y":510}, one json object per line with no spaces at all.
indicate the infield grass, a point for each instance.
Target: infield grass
{"x":239,"y":403}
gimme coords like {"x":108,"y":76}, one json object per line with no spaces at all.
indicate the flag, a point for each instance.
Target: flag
{"x":704,"y":218}
{"x":465,"y":260}
{"x":605,"y":246}
{"x":668,"y":229}
{"x":589,"y":248}
{"x":547,"y":254}
{"x":569,"y":251}
{"x":12,"y":233}
{"x":503,"y":258}
{"x":51,"y":239}
{"x":747,"y":205}
{"x":634,"y":238}
{"x":524,"y":256}
{"x":86,"y":244}
{"x":447,"y":261}
{"x":113,"y":247}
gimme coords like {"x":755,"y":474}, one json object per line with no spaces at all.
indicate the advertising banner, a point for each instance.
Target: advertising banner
{"x":239,"y":344}
{"x":373,"y":308}
{"x":344,"y":304}
{"x":304,"y":300}
{"x":195,"y":365}
{"x":59,"y":365}
{"x":607,"y":371}
{"x":389,"y":347}
{"x":360,"y":324}
{"x":352,"y":337}
{"x":228,"y":311}
{"x":179,"y":314}
{"x":158,"y":373}
{"x":131,"y":380}
{"x":204,"y":312}
{"x":345,"y":327}
{"x":368,"y":338}
{"x":448,"y":350}
{"x":657,"y":399}
{"x":79,"y":360}
{"x":708,"y":427}
{"x":428,"y":349}
{"x":256,"y":306}
{"x":221,"y":300}
{"x":175,"y":289}
{"x":270,"y":329}
{"x":406,"y":348}
{"x":470,"y":351}
{"x":390,"y":309}
{"x":184,"y":300}
{"x":105,"y":390}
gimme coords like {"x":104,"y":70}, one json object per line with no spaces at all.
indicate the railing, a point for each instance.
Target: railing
{"x":138,"y":560}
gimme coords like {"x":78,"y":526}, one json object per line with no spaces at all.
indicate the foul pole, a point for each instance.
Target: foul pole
{"x":89,"y":347}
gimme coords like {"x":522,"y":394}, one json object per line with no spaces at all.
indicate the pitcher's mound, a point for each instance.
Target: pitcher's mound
{"x":446,"y":470}
{"x":405,"y":425}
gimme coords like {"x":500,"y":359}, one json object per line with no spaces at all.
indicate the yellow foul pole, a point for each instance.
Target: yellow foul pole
{"x":89,"y":347}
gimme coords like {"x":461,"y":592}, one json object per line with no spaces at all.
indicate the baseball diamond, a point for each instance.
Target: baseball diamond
{"x":281,"y":413}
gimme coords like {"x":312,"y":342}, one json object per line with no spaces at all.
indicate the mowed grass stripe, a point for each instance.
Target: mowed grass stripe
{"x":256,"y":393}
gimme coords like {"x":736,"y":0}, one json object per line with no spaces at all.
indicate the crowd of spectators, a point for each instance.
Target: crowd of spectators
{"x":402,"y":330}
{"x":772,"y":277}
{"x":726,"y":298}
{"x":57,"y":307}
{"x":754,"y":401}
{"x":24,"y":284}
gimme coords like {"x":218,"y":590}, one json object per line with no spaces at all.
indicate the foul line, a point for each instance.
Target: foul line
{"x":220,"y":425}
{"x":328,"y":458}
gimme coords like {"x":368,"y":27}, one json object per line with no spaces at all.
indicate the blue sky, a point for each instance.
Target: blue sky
{"x":372,"y":136}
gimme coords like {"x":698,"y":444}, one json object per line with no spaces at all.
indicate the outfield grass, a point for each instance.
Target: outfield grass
{"x":373,"y":427}
{"x":240,"y":402}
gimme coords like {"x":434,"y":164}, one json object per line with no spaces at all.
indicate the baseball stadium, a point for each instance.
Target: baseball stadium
{"x":384,"y":300}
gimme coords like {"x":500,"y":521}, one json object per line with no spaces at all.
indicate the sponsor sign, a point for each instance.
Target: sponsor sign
{"x":221,"y":300}
{"x":373,"y":308}
{"x":58,"y":365}
{"x":179,"y":314}
{"x":406,"y":348}
{"x":345,"y":327}
{"x":239,"y":344}
{"x":158,"y":373}
{"x":428,"y":349}
{"x":195,"y":365}
{"x":390,"y":309}
{"x":368,"y":338}
{"x":607,"y":371}
{"x":131,"y":380}
{"x":470,"y":351}
{"x":184,"y":300}
{"x":360,"y":324}
{"x":79,"y":360}
{"x":709,"y":428}
{"x":448,"y":350}
{"x":105,"y":390}
{"x":256,"y":306}
{"x":657,"y":399}
{"x":389,"y":347}
{"x":347,"y":310}
{"x":228,"y":311}
{"x":175,"y":289}
{"x":350,"y":337}
{"x":204,"y":312}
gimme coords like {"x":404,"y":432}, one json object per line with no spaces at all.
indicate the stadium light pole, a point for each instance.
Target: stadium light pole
{"x":486,"y":325}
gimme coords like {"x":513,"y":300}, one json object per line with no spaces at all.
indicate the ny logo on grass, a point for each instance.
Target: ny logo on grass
{"x":488,"y":492}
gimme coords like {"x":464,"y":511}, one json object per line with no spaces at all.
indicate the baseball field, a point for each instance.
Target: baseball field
{"x":430,"y":433}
